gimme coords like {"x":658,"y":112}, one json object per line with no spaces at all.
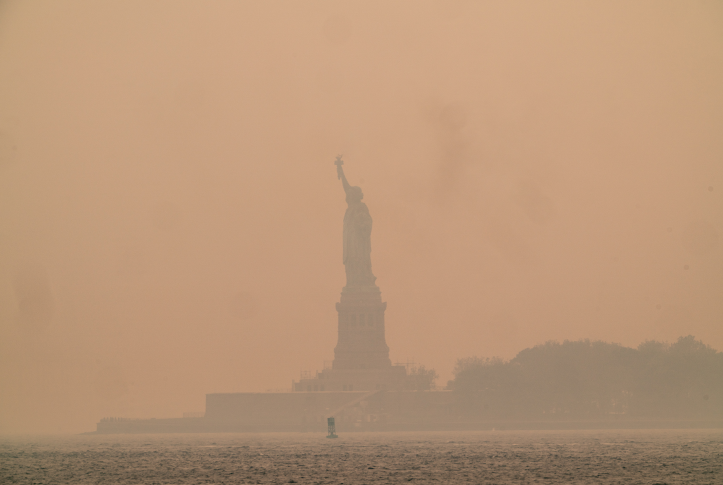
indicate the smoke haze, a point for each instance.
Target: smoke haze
{"x":171,"y":218}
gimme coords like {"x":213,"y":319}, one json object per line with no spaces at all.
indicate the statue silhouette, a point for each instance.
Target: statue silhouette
{"x":357,"y":234}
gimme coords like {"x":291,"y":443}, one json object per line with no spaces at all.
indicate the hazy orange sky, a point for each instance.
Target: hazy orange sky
{"x":171,"y":219}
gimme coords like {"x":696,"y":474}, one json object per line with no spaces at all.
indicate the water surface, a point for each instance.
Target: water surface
{"x":629,"y":456}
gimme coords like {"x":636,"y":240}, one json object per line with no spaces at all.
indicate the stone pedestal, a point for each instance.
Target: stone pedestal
{"x":361,"y":357}
{"x":361,"y":343}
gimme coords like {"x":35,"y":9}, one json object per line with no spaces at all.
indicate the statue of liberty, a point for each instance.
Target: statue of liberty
{"x":357,"y":235}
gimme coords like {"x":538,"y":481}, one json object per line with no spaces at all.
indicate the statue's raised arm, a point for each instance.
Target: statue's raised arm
{"x":340,"y":173}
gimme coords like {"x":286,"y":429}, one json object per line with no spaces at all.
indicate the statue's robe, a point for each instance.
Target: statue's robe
{"x":358,"y":245}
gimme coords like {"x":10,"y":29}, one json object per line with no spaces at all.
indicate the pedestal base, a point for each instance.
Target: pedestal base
{"x":361,"y":343}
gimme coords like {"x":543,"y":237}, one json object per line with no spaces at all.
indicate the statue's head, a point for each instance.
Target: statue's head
{"x":354,"y":195}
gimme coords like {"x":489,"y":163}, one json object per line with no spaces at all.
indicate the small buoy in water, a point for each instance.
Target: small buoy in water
{"x":332,"y":428}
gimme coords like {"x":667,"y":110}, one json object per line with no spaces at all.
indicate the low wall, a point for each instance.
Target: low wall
{"x":370,"y":411}
{"x":309,"y":410}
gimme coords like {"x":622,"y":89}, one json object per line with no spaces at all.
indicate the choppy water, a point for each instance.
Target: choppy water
{"x":647,"y":457}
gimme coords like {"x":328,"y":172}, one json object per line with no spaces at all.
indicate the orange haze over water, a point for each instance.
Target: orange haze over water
{"x":171,"y":219}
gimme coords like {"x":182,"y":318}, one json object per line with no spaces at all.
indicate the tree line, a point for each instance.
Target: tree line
{"x":592,"y":378}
